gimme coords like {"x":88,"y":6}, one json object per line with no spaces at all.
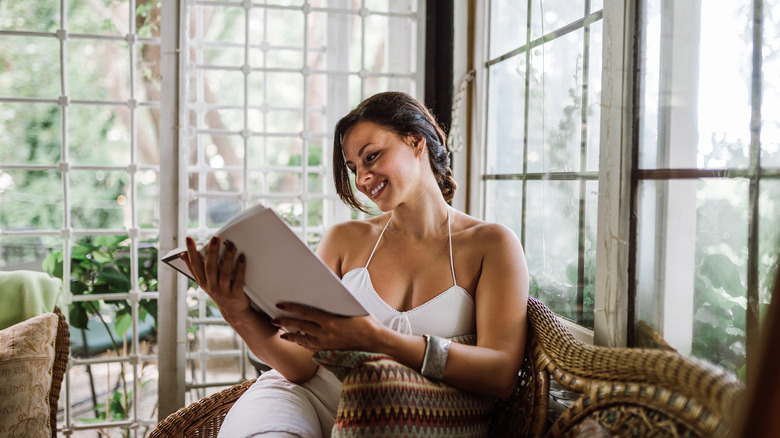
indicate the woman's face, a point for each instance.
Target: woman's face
{"x":386,"y":166}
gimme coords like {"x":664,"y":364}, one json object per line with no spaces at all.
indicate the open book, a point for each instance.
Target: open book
{"x":279,"y":266}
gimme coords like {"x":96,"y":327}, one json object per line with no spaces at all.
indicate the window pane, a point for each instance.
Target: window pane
{"x":108,"y":126}
{"x":724,"y":111}
{"x":508,"y":24}
{"x":506,"y":120}
{"x":285,"y":27}
{"x":30,"y":200}
{"x":769,"y":238}
{"x":100,"y":199}
{"x":550,"y":15}
{"x":98,"y":18}
{"x":551,"y":244}
{"x":589,"y":252}
{"x":770,"y":102}
{"x":689,"y":118}
{"x":148,"y":198}
{"x":555,"y":105}
{"x":24,"y":252}
{"x":27,"y":69}
{"x":224,"y":23}
{"x":692,"y":266}
{"x":98,"y":69}
{"x":503,"y":202}
{"x":44,"y":17}
{"x":30,"y":133}
{"x":594,"y":95}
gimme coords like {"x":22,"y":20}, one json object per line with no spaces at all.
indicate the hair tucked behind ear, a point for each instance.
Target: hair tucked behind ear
{"x":404,"y":115}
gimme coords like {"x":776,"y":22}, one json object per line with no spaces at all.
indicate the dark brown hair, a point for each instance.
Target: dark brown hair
{"x":403,"y":115}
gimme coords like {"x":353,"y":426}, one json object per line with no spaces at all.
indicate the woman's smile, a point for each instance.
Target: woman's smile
{"x":378,"y":189}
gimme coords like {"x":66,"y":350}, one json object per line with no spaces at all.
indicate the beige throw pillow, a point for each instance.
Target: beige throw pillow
{"x":26,"y":365}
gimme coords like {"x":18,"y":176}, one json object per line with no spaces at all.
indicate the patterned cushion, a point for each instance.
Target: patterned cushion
{"x":382,"y":398}
{"x":27,"y":353}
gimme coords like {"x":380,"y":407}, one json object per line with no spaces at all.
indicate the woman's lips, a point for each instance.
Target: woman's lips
{"x":378,"y":189}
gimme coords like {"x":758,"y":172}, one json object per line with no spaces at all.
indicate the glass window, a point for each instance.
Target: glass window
{"x":541,"y":153}
{"x":262,"y":85}
{"x":266,"y":83}
{"x":707,"y":173}
{"x":79,"y":167}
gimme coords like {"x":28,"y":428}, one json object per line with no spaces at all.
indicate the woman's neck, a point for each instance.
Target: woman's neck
{"x":422,"y":219}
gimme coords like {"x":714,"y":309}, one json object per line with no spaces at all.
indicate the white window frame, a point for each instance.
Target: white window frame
{"x":615,"y":235}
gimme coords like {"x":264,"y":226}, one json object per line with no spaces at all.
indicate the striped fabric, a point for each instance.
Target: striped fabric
{"x":382,"y":398}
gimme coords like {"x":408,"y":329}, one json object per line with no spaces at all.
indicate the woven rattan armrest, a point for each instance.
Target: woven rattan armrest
{"x":202,"y":418}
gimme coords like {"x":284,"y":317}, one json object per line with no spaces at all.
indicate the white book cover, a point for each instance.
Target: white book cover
{"x":279,"y":266}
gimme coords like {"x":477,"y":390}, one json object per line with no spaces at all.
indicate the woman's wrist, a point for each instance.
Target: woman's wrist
{"x":435,"y":357}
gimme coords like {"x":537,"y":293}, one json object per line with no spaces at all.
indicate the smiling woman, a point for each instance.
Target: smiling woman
{"x":393,"y":264}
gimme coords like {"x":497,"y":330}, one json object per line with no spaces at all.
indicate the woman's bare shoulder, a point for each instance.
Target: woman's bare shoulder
{"x":355,"y":229}
{"x":484,"y":233}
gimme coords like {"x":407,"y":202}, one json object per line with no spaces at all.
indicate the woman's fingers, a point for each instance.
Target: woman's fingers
{"x":226,"y":270}
{"x":238,"y":279}
{"x":194,"y":261}
{"x":294,"y":325}
{"x":212,"y":261}
{"x":305,"y":340}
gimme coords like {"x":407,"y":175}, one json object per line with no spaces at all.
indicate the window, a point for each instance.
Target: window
{"x":542,"y":142}
{"x":265,"y":84}
{"x":126,"y":125}
{"x":706,"y":171}
{"x":79,"y":173}
{"x":661,"y":160}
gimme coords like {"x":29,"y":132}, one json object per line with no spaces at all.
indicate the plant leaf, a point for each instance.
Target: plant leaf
{"x":78,"y":315}
{"x":115,"y":279}
{"x":722,"y":272}
{"x":52,"y":264}
{"x":109,"y":241}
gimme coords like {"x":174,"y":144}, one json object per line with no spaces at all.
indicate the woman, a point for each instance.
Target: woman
{"x":397,"y":264}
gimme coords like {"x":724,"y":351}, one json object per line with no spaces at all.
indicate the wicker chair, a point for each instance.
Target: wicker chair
{"x":628,"y":392}
{"x":633,"y":392}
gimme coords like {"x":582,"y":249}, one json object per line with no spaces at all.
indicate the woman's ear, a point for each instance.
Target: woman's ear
{"x":416,"y":141}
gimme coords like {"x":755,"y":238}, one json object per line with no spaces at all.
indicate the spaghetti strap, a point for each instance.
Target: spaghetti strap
{"x":377,"y":241}
{"x":452,"y":263}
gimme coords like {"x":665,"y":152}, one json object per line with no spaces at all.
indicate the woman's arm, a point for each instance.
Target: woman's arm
{"x":225,"y":286}
{"x":490,"y":367}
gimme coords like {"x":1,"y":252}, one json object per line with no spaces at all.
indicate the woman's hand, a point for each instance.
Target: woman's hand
{"x":225,"y":283}
{"x":316,"y":330}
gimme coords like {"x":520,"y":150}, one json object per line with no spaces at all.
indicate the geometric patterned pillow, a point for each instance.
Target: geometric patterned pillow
{"x":383,"y":398}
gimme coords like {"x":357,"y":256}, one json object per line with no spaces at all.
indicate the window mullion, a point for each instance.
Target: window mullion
{"x":172,"y":207}
{"x":753,"y":318}
{"x":615,"y":164}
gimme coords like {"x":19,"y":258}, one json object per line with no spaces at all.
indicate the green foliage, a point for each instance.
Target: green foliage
{"x":101,"y":265}
{"x":721,"y":309}
{"x":560,"y":296}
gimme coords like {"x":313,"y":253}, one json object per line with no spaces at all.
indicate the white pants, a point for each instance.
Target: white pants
{"x":274,"y":406}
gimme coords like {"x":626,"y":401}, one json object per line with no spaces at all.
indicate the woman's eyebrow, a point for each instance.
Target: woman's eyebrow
{"x":359,"y":154}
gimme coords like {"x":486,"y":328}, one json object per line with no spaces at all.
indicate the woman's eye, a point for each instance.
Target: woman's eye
{"x":371,"y":157}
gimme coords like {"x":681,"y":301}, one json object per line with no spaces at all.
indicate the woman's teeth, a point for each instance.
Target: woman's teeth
{"x":378,"y":188}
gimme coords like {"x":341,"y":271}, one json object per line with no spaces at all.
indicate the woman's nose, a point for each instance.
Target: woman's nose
{"x":363,"y":176}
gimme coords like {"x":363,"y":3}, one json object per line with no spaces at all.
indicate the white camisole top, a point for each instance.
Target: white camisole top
{"x":451,"y":313}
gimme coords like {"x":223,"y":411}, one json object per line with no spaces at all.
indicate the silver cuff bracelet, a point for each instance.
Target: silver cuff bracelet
{"x":435,"y":358}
